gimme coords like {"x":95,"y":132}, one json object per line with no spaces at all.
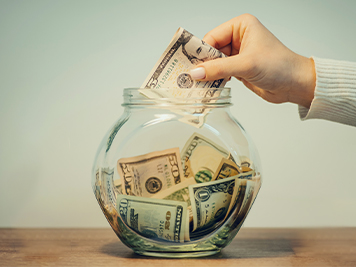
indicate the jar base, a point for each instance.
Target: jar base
{"x":178,"y":254}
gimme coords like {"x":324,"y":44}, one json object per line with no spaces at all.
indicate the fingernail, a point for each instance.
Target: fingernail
{"x":198,"y":73}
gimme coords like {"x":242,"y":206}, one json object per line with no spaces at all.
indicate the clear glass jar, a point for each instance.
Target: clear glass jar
{"x":168,"y":141}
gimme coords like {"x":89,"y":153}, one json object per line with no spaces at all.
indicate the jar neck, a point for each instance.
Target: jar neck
{"x":177,"y":98}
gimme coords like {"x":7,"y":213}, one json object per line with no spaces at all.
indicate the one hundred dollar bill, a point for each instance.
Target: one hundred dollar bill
{"x":148,"y":174}
{"x":172,"y":72}
{"x":210,"y":202}
{"x":154,"y":218}
{"x":201,"y":158}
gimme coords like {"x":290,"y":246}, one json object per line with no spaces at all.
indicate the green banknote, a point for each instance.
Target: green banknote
{"x":154,"y":218}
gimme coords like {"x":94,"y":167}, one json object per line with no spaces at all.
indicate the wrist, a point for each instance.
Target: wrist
{"x":305,"y":81}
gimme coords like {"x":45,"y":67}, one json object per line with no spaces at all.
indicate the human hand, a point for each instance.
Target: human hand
{"x":258,"y":59}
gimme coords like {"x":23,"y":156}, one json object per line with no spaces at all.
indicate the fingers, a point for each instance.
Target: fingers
{"x":226,"y":50}
{"x":255,"y":57}
{"x":230,"y":32}
{"x":222,"y":35}
{"x":218,"y":69}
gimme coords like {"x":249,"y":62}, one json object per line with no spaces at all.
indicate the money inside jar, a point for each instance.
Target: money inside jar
{"x":156,"y":200}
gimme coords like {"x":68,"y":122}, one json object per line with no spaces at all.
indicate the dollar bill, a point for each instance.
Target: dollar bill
{"x":227,"y":168}
{"x":110,"y":213}
{"x":97,"y":183}
{"x":118,"y":186}
{"x":245,"y":169}
{"x":172,"y":72}
{"x":107,"y":175}
{"x":154,"y":218}
{"x":247,"y":201}
{"x":238,"y":196}
{"x":183,"y":52}
{"x":246,"y":164}
{"x":103,"y":188}
{"x":257,"y":180}
{"x":257,"y":186}
{"x":230,"y":157}
{"x":210,"y":202}
{"x":179,"y":192}
{"x":148,"y":174}
{"x":201,"y":158}
{"x":108,"y":208}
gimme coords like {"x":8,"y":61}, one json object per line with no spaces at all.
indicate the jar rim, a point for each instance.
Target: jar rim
{"x":212,"y":97}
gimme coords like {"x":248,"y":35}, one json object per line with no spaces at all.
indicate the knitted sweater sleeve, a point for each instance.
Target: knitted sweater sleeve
{"x":335,"y":92}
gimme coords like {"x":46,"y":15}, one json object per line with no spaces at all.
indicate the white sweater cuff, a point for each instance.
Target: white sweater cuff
{"x":335,"y":92}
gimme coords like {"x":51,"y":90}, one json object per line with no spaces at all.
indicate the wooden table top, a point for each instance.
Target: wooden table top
{"x":251,"y":247}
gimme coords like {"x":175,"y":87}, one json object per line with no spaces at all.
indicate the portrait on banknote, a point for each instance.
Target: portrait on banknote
{"x":198,"y":51}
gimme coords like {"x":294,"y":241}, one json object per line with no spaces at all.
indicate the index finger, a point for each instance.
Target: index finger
{"x":230,"y":32}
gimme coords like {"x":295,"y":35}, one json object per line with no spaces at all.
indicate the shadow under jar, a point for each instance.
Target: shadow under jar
{"x":176,"y":175}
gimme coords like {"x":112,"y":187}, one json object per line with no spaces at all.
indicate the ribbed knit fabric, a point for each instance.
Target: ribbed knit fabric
{"x":335,"y":92}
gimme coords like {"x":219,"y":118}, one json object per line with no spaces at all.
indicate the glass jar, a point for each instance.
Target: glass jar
{"x":177,"y":174}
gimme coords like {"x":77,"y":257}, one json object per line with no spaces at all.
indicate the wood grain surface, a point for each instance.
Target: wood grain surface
{"x":251,"y":247}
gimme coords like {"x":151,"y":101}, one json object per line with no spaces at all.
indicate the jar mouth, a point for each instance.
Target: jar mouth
{"x":212,"y":97}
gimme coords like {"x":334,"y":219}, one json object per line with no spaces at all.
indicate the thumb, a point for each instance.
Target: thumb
{"x":219,"y":68}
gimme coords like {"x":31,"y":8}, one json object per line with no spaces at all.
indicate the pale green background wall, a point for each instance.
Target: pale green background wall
{"x":63,"y":65}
